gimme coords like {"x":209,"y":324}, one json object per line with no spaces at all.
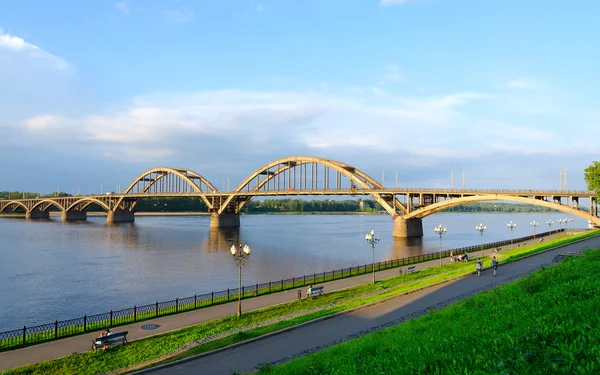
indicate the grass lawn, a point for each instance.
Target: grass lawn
{"x":228,"y":330}
{"x":546,"y":323}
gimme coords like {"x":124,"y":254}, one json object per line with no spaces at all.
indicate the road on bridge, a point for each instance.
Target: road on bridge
{"x":311,"y":337}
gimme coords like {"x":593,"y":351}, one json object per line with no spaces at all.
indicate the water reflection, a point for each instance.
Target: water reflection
{"x":221,"y":239}
{"x":406,"y":247}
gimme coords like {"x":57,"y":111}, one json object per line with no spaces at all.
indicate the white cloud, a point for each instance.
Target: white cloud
{"x":274,"y":120}
{"x":121,"y":6}
{"x":522,"y":84}
{"x":246,"y":129}
{"x":45,"y":124}
{"x":16,"y":44}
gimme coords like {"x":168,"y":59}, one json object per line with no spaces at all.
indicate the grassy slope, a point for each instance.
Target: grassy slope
{"x":144,"y":350}
{"x":545,"y":323}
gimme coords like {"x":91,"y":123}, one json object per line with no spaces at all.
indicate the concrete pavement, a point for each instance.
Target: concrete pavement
{"x":308,"y":338}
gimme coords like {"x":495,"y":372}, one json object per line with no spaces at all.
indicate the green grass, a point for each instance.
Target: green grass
{"x":142,"y":351}
{"x":546,"y":323}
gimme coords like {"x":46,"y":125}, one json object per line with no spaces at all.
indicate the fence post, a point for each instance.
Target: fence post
{"x":156,"y":308}
{"x":176,"y":304}
{"x":134,"y":313}
{"x":196,"y":301}
{"x":269,"y":287}
{"x":110,"y":325}
{"x":212,"y":297}
{"x":333,"y":275}
{"x":314,"y":277}
{"x":24,"y":334}
{"x":84,"y":323}
{"x":256,"y":289}
{"x":55,"y":328}
{"x":304,"y":279}
{"x":227,"y":294}
{"x":281,"y":284}
{"x":293,"y":282}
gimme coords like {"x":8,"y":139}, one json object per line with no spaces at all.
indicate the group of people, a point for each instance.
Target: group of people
{"x":479,"y":266}
{"x":104,"y":333}
{"x":461,"y":257}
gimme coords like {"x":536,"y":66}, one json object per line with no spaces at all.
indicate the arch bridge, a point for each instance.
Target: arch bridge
{"x":293,"y":176}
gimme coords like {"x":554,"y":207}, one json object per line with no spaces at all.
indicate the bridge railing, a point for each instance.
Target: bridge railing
{"x":89,"y":323}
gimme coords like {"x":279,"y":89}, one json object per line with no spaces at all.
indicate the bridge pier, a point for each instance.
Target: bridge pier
{"x":74,"y":216}
{"x":225,"y":220}
{"x":407,"y":228}
{"x":37,"y":215}
{"x":120,"y":217}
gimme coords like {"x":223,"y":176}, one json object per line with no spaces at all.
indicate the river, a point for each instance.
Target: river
{"x":59,"y":270}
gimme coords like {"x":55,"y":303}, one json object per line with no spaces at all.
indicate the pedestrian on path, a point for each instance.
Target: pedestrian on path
{"x":478,"y":266}
{"x":494,"y":264}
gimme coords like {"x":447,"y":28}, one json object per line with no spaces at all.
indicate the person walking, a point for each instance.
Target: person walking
{"x":495,"y":264}
{"x":478,"y":266}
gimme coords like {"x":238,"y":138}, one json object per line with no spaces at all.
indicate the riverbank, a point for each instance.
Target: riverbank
{"x":178,"y":343}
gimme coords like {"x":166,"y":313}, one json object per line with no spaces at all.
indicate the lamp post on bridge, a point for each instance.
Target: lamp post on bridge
{"x":481,"y":228}
{"x":372,"y":240}
{"x":240,"y":255}
{"x":534,"y":224}
{"x":441,"y":230}
{"x":511,"y":226}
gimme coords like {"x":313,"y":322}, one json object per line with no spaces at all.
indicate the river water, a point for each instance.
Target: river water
{"x":51,"y":269}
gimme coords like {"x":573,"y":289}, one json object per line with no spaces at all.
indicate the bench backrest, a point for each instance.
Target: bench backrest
{"x":411,"y":267}
{"x":112,"y":336}
{"x":319,"y":288}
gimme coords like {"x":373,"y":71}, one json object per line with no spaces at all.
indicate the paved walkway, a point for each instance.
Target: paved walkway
{"x":64,"y":347}
{"x":308,"y":338}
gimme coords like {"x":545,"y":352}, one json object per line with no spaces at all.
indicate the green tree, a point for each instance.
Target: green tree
{"x":592,"y":177}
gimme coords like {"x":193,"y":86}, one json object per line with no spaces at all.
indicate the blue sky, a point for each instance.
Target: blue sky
{"x":96,"y":92}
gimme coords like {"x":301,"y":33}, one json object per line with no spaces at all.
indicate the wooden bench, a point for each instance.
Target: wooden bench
{"x":315,"y":291}
{"x":110,"y":340}
{"x":410,"y":269}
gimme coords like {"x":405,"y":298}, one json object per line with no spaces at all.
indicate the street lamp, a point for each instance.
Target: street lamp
{"x":370,"y":237}
{"x":511,"y":226}
{"x":534,"y":224}
{"x":550,"y":222}
{"x":560,"y":221}
{"x":567,"y":223}
{"x":440,"y":229}
{"x":240,"y":255}
{"x":481,"y":228}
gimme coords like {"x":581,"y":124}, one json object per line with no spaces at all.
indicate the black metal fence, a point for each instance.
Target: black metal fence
{"x":88,"y":323}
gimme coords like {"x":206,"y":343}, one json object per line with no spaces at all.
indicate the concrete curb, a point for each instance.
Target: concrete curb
{"x":314,"y":321}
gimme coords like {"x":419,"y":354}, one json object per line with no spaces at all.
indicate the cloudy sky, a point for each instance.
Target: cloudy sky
{"x":95,"y":92}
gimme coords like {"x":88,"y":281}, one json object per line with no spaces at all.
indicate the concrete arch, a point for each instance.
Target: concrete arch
{"x":14,"y":203}
{"x":51,"y":202}
{"x":88,"y":202}
{"x":357,"y":177}
{"x":437,"y":207}
{"x":161,"y":172}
